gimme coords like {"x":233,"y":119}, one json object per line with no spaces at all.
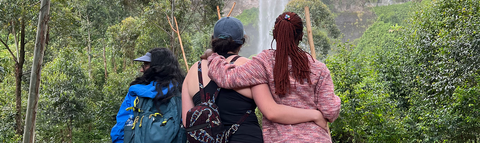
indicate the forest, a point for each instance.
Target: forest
{"x":412,"y":76}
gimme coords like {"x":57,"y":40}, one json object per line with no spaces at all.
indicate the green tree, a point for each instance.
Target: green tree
{"x":192,"y":17}
{"x":441,"y":46}
{"x":66,"y":92}
{"x":15,"y":23}
{"x":368,"y":113}
{"x":323,"y":24}
{"x":123,"y":39}
{"x":379,"y":44}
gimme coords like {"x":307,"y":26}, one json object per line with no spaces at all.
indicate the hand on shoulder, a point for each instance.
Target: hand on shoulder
{"x":206,"y":54}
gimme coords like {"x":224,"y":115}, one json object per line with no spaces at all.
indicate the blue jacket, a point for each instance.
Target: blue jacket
{"x":141,"y":90}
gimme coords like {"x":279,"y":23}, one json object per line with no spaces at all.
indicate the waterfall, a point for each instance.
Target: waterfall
{"x":269,"y":11}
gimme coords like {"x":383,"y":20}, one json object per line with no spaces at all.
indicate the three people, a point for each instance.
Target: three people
{"x":289,"y":76}
{"x":294,"y":78}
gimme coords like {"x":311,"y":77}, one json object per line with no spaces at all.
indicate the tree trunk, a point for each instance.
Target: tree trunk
{"x":70,"y":128}
{"x":15,"y":39}
{"x":172,"y":37}
{"x":88,"y":50}
{"x":40,"y":42}
{"x":105,"y":62}
{"x":18,"y":80}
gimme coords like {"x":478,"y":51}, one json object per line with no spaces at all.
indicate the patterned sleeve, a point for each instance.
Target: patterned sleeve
{"x":328,"y":102}
{"x":230,"y":76}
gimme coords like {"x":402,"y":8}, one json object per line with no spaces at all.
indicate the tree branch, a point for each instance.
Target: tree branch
{"x":5,"y":44}
{"x":183,"y":28}
{"x":168,"y":18}
{"x":164,"y":30}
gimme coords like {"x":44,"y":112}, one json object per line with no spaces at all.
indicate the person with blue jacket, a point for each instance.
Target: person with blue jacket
{"x":161,"y":73}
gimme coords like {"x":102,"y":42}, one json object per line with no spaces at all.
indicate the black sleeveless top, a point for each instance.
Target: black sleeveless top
{"x":232,"y":107}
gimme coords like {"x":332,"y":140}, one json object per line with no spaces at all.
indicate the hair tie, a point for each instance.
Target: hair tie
{"x":287,"y":17}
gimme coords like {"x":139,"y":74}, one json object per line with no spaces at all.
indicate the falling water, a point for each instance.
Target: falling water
{"x":269,"y":11}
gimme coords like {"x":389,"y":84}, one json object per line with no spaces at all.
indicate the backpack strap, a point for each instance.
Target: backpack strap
{"x":244,"y":117}
{"x":234,"y":59}
{"x":200,"y":80}
{"x":218,"y":88}
{"x":206,"y":96}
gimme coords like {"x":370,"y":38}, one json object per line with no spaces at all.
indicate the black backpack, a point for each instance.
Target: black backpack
{"x":203,"y":123}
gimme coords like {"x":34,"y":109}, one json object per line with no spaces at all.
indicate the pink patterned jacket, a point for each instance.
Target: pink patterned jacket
{"x":259,"y":70}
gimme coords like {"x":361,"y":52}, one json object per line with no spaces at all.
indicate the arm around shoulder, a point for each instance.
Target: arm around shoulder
{"x":231,"y":76}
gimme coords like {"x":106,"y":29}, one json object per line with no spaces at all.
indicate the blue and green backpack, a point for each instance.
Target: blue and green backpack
{"x":150,"y":125}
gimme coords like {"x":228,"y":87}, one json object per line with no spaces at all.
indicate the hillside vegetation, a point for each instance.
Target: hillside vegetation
{"x":413,"y":77}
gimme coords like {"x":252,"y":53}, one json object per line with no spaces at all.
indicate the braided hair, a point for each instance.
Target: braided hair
{"x":287,"y":32}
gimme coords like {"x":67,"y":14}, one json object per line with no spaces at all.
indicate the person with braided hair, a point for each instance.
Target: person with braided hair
{"x":295,"y":79}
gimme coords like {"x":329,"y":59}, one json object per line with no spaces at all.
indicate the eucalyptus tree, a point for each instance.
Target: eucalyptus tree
{"x":17,"y":18}
{"x":33,"y":90}
{"x":84,"y":23}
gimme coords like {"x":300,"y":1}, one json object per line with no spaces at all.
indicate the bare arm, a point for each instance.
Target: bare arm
{"x":282,"y":113}
{"x":187,"y":102}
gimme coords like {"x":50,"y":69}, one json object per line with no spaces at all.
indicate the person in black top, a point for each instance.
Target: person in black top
{"x":227,"y":40}
{"x":232,"y":107}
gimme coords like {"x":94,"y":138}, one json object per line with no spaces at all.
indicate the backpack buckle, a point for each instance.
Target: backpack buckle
{"x":164,"y":122}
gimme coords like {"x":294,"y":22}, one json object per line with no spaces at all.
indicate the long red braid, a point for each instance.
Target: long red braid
{"x":288,"y":31}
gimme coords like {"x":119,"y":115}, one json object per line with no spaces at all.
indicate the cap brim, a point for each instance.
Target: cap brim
{"x":143,"y":59}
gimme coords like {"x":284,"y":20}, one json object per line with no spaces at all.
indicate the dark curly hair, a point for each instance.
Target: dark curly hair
{"x":164,"y":69}
{"x":223,"y":46}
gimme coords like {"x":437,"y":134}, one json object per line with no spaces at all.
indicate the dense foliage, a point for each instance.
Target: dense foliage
{"x":412,"y":77}
{"x":88,"y":59}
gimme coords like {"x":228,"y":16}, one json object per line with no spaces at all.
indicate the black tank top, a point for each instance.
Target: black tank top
{"x":232,"y":107}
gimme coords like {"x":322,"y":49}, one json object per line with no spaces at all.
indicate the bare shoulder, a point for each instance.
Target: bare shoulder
{"x":191,"y":80}
{"x":192,"y":70}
